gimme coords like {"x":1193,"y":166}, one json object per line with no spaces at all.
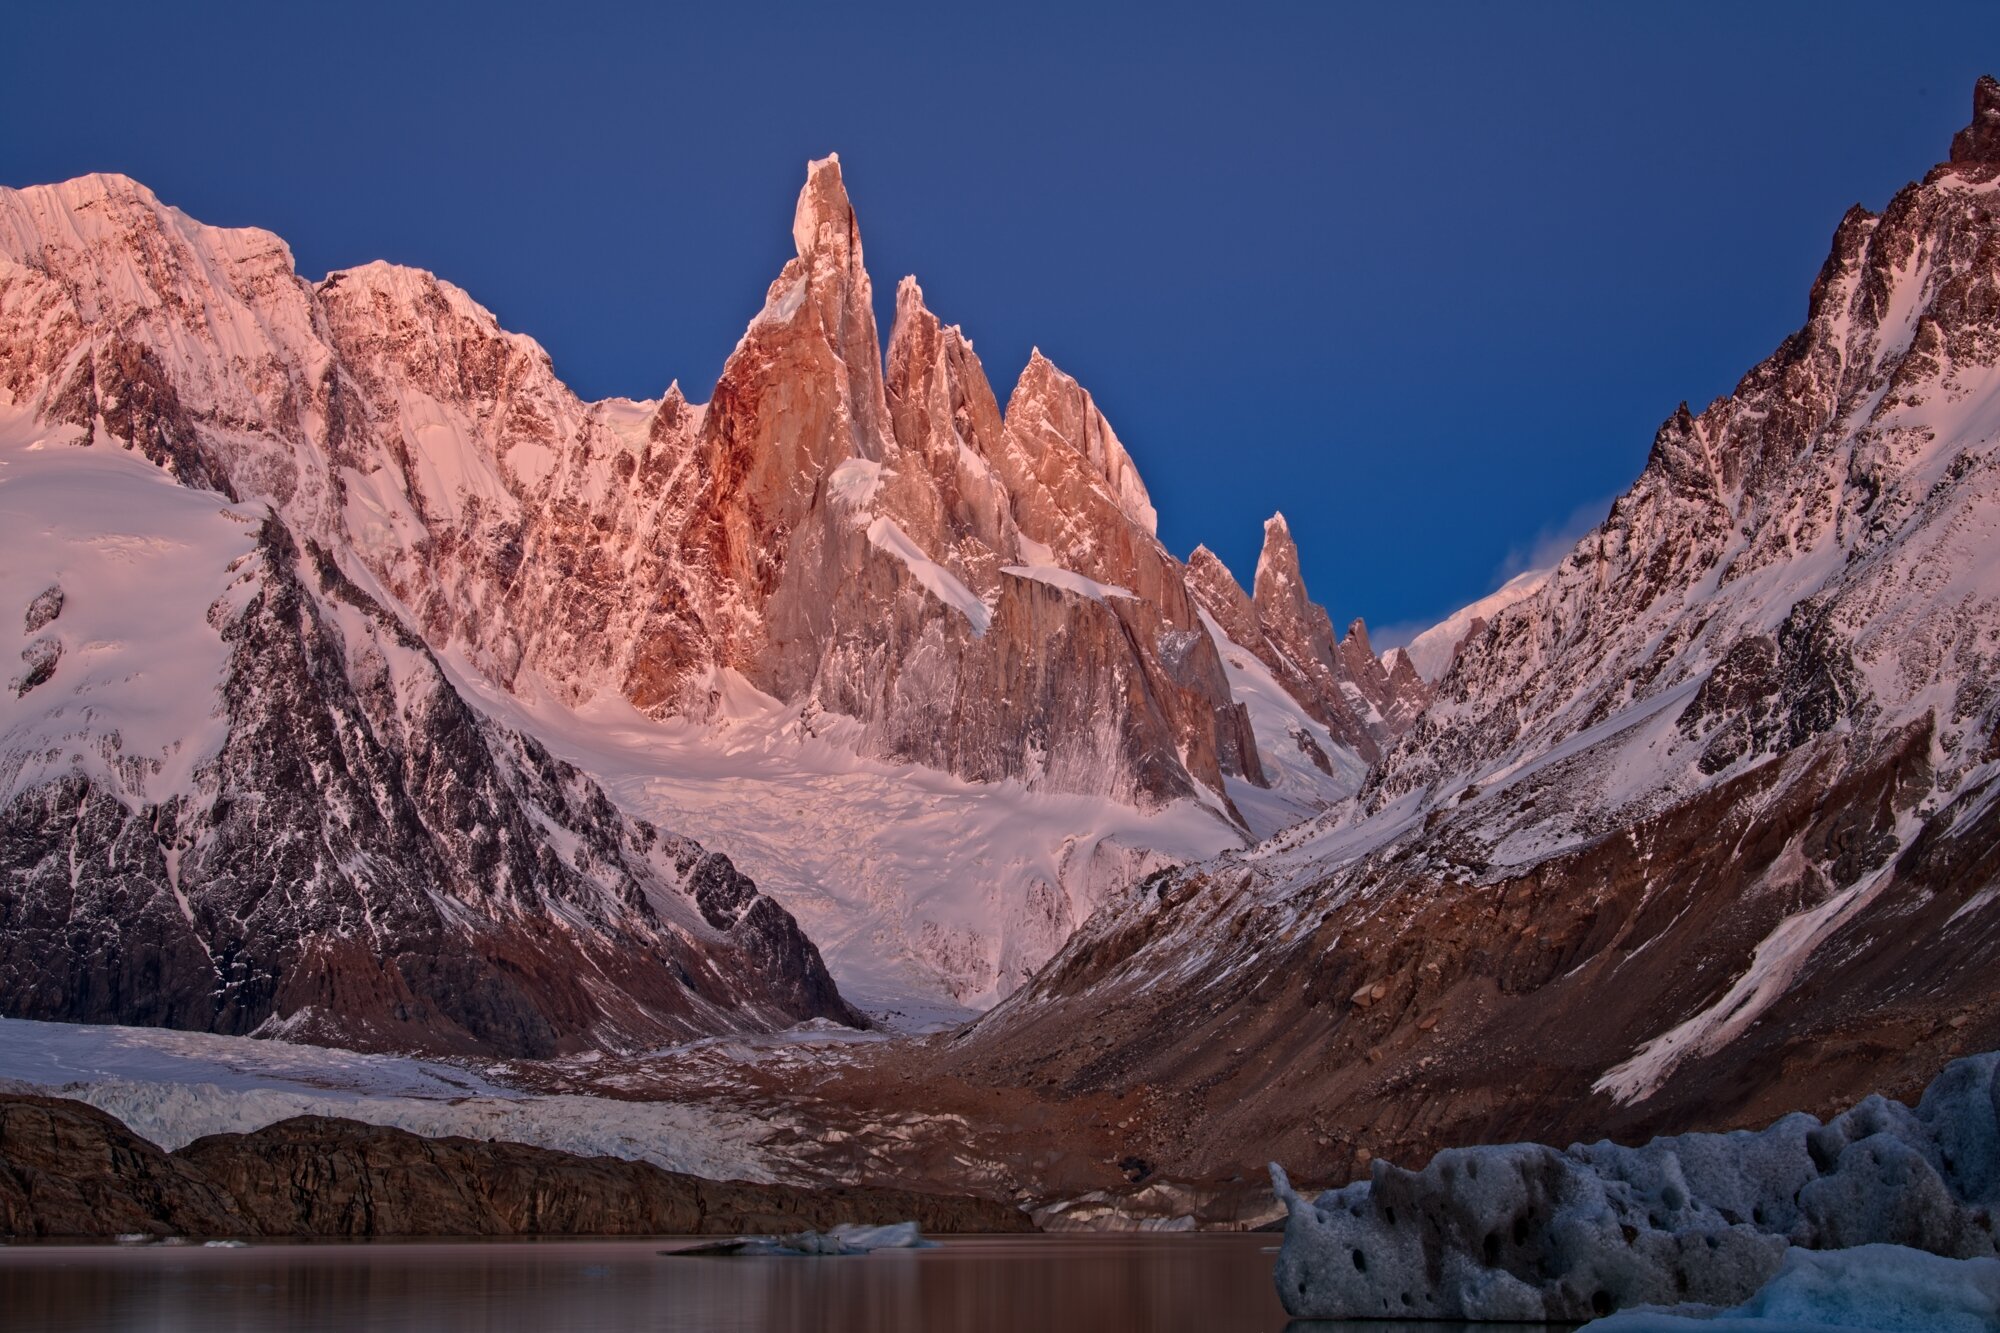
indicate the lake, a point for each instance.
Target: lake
{"x":1015,"y":1284}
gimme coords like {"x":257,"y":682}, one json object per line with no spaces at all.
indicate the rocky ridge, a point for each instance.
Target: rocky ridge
{"x":70,"y":1171}
{"x":1703,"y":827}
{"x":1364,"y":701}
{"x":360,"y":858}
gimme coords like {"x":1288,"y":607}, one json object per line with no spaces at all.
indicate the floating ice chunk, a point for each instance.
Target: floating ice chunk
{"x":1528,"y":1232}
{"x":1521,"y":1232}
{"x":893,"y":1236}
{"x":846,"y":1239}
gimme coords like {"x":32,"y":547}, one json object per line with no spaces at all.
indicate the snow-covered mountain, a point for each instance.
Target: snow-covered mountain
{"x":1432,"y":652}
{"x":1701,"y":824}
{"x":424,"y":648}
{"x":241,"y":795}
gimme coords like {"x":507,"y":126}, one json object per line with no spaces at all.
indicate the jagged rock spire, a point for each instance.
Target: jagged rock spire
{"x":1219,"y":594}
{"x":1048,"y":405}
{"x":1341,"y":682}
{"x":1280,"y":586}
{"x":824,"y":219}
{"x":947,"y":424}
{"x":1980,"y":141}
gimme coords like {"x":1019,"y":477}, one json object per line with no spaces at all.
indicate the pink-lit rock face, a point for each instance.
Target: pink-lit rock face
{"x":888,"y":549}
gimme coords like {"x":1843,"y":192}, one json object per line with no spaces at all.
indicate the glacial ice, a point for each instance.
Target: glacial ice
{"x":848,"y":1238}
{"x":1881,"y":1288}
{"x":1528,"y":1232}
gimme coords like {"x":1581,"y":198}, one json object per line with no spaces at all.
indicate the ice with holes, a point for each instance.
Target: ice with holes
{"x":1528,"y":1232}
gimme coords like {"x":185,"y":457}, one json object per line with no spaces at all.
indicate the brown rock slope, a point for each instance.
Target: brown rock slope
{"x":69,"y":1170}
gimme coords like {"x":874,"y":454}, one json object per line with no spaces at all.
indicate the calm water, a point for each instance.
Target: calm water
{"x":1041,"y":1284}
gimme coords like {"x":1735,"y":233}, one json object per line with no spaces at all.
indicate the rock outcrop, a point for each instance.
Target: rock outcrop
{"x":70,"y":1171}
{"x":67,"y":1169}
{"x":1980,"y":141}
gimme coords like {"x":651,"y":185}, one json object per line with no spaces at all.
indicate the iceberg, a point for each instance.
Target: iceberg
{"x":845,"y":1239}
{"x":1529,"y":1232}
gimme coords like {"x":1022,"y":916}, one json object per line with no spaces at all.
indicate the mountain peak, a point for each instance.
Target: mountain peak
{"x":1216,"y":588}
{"x":824,"y":217}
{"x":1281,"y":553}
{"x":105,"y":185}
{"x":1039,"y":368}
{"x":1980,"y":141}
{"x":1048,"y":402}
{"x":1278,"y":575}
{"x":910,"y":305}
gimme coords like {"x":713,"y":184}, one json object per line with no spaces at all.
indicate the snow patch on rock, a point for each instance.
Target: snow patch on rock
{"x":854,"y":483}
{"x":1070,"y":581}
{"x":939,"y":581}
{"x":131,"y":662}
{"x":1432,"y":651}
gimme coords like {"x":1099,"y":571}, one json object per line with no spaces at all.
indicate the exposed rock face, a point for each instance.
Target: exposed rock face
{"x":322,"y":1177}
{"x":68,"y":1170}
{"x":1702,"y":824}
{"x":1524,"y":1232}
{"x":1980,"y":141}
{"x":1431,"y":653}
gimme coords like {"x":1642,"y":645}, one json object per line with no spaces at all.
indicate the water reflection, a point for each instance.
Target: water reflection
{"x":1417,"y":1326}
{"x":1054,"y":1284}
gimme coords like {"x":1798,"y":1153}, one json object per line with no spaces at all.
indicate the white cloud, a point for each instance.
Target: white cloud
{"x":1552,"y":543}
{"x":1548,"y":546}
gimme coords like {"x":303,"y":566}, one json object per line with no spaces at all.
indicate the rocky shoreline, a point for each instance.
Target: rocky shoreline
{"x":70,"y":1171}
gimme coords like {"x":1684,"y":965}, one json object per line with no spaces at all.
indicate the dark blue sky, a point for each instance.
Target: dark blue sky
{"x":1426,"y":278}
